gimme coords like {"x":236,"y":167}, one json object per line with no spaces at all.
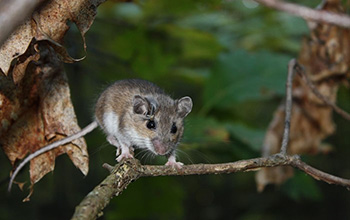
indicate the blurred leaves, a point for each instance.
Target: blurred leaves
{"x":205,"y":130}
{"x":241,"y":76}
{"x":309,"y":190}
{"x":157,"y":198}
{"x":195,"y":45}
{"x":251,"y":137}
{"x":231,"y":58}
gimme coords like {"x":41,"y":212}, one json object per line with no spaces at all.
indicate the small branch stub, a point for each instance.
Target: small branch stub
{"x":108,"y":167}
{"x":288,"y":106}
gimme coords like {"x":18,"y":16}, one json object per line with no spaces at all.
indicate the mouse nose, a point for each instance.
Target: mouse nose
{"x":159,"y":147}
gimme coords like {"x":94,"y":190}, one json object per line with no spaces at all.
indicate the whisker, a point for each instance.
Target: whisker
{"x":186,"y":154}
{"x":150,"y":156}
{"x":144,"y":152}
{"x":203,"y":156}
{"x":100,"y":147}
{"x":139,"y":152}
{"x":145,"y":156}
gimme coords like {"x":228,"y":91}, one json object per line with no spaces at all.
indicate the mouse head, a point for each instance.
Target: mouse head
{"x":160,"y":121}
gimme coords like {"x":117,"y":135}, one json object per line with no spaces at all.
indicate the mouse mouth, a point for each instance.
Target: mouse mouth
{"x":159,"y":147}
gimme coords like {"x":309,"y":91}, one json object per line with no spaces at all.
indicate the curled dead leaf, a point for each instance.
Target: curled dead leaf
{"x":37,"y":111}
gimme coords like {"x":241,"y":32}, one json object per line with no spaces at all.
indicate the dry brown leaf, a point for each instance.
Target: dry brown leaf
{"x":35,"y":105}
{"x":56,"y":104}
{"x":38,"y":112}
{"x":325,"y":56}
{"x":15,"y":45}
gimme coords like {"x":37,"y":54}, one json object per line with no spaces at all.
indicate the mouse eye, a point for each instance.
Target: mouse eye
{"x":173,"y":129}
{"x":151,"y":124}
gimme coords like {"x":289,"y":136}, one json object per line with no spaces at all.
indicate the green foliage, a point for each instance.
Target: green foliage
{"x":240,"y":76}
{"x":157,"y":198}
{"x":231,"y":58}
{"x":309,"y":190}
{"x":194,"y":44}
{"x":253,"y":138}
{"x":203,"y":130}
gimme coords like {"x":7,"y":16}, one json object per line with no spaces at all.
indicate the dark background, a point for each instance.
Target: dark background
{"x":231,"y":58}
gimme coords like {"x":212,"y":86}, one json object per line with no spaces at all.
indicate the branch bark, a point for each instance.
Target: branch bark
{"x":121,"y":176}
{"x":338,"y":19}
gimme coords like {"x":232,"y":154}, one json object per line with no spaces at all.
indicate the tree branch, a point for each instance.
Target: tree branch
{"x":130,"y":170}
{"x":121,"y":176}
{"x":341,"y":20}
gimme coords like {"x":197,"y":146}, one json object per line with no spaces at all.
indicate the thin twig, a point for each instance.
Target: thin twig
{"x":313,"y":88}
{"x":320,"y":175}
{"x":288,"y":107}
{"x":338,"y":19}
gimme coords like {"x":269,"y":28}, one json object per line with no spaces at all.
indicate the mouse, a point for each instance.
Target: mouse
{"x":133,"y":113}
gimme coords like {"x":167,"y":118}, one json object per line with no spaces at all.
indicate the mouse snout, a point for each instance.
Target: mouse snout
{"x":159,"y":147}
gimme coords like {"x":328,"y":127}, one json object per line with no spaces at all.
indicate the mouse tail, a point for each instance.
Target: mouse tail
{"x":51,"y":146}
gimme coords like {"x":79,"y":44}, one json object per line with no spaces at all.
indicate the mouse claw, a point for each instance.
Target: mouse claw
{"x":174,"y":164}
{"x":118,"y":151}
{"x":124,"y":156}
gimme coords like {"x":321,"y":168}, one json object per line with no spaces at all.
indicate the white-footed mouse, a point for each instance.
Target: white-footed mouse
{"x":133,"y":113}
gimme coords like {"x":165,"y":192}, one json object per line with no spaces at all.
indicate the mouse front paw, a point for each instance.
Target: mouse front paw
{"x":124,"y":156}
{"x":174,"y":164}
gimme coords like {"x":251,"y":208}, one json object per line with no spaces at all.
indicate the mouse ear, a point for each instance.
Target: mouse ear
{"x":140,"y":105}
{"x":184,"y":106}
{"x":153,"y":106}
